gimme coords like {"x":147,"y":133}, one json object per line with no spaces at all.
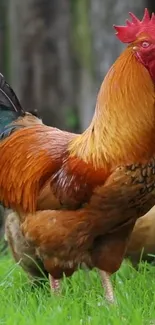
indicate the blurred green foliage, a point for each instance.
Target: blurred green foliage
{"x":72,"y":120}
{"x":81,"y":33}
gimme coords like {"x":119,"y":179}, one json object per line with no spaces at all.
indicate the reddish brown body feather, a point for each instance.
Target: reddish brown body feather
{"x":92,"y":233}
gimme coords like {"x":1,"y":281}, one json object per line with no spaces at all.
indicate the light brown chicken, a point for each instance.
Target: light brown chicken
{"x":142,"y":240}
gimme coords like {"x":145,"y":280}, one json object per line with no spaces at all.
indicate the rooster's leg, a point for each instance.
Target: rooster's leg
{"x":54,"y":284}
{"x":107,"y":285}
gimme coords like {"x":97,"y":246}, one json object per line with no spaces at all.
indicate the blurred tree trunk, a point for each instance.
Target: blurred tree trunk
{"x":4,"y":70}
{"x":106,"y":47}
{"x":3,"y":37}
{"x":83,"y":72}
{"x":151,"y":5}
{"x":41,"y":57}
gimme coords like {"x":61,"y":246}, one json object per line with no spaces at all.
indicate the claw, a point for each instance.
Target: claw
{"x":107,"y":285}
{"x":54,"y":284}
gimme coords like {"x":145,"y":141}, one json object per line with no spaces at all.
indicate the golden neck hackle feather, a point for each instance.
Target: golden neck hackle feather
{"x":124,"y":121}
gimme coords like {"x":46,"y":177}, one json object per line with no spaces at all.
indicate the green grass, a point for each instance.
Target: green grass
{"x":82,"y":300}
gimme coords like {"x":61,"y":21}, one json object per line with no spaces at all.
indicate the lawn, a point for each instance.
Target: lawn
{"x":82,"y":300}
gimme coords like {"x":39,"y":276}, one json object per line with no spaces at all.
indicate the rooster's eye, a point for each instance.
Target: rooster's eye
{"x":145,"y":44}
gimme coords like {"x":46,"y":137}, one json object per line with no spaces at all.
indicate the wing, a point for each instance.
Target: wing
{"x":28,"y":159}
{"x":37,"y":171}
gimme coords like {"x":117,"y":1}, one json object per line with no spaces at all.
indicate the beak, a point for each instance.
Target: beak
{"x":135,"y":48}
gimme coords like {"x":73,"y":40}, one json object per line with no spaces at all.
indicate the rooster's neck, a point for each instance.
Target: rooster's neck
{"x":123,"y":126}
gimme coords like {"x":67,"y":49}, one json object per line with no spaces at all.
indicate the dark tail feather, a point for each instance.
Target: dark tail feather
{"x":8,"y":98}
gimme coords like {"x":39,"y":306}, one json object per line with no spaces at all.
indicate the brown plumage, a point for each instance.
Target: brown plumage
{"x":79,"y":196}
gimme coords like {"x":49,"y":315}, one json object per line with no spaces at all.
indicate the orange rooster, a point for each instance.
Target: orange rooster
{"x":78,"y":197}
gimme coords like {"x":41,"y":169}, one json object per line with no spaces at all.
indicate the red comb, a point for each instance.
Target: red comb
{"x":133,"y":28}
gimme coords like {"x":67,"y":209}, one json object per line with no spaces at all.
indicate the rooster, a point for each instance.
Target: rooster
{"x":77,"y":197}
